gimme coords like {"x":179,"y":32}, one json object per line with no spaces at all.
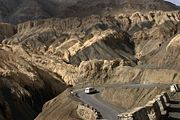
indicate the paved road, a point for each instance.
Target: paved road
{"x":108,"y":111}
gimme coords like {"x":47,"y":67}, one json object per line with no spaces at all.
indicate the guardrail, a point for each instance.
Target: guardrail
{"x":155,"y":109}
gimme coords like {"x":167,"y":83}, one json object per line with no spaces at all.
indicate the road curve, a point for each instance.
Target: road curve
{"x":107,"y":111}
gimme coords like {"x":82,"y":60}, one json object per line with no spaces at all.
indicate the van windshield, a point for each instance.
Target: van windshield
{"x":89,"y":88}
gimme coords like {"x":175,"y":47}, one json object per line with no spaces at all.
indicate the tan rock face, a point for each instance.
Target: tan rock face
{"x":24,"y":87}
{"x":112,"y":44}
{"x":112,"y":72}
{"x":152,"y":32}
{"x":98,"y":71}
{"x":129,"y":98}
{"x":55,"y":108}
{"x":174,"y":43}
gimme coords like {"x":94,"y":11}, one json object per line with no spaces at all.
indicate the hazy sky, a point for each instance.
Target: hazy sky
{"x":177,"y":2}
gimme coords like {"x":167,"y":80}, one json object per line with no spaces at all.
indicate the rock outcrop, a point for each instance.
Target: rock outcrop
{"x":24,"y":87}
{"x":61,"y":107}
{"x":151,"y":32}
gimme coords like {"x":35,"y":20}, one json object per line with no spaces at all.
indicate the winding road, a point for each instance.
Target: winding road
{"x":108,"y":111}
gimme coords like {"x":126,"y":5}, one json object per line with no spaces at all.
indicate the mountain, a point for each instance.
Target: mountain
{"x":46,"y":47}
{"x":17,"y":11}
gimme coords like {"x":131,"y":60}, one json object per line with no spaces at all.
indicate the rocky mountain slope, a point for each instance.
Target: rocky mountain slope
{"x":40,"y":58}
{"x":71,"y":38}
{"x":24,"y":86}
{"x":60,"y":107}
{"x":65,"y":52}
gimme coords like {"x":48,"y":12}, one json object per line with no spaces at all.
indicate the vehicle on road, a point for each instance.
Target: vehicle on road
{"x":174,"y":88}
{"x":90,"y":90}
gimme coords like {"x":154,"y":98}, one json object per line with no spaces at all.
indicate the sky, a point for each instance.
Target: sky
{"x":177,"y":2}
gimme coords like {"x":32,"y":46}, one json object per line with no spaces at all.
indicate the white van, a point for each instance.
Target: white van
{"x":174,"y":88}
{"x":89,"y":90}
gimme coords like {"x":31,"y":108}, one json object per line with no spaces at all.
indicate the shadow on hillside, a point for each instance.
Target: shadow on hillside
{"x":174,"y":102}
{"x":172,"y":118}
{"x":175,"y":110}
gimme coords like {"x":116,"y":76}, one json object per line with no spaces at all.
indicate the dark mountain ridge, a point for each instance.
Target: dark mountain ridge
{"x":16,"y":11}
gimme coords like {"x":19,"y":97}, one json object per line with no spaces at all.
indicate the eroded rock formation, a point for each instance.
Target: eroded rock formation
{"x":41,"y":57}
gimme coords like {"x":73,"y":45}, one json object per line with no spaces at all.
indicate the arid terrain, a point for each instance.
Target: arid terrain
{"x":49,"y":47}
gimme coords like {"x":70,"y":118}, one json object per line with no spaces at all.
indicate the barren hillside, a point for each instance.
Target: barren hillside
{"x":48,"y":46}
